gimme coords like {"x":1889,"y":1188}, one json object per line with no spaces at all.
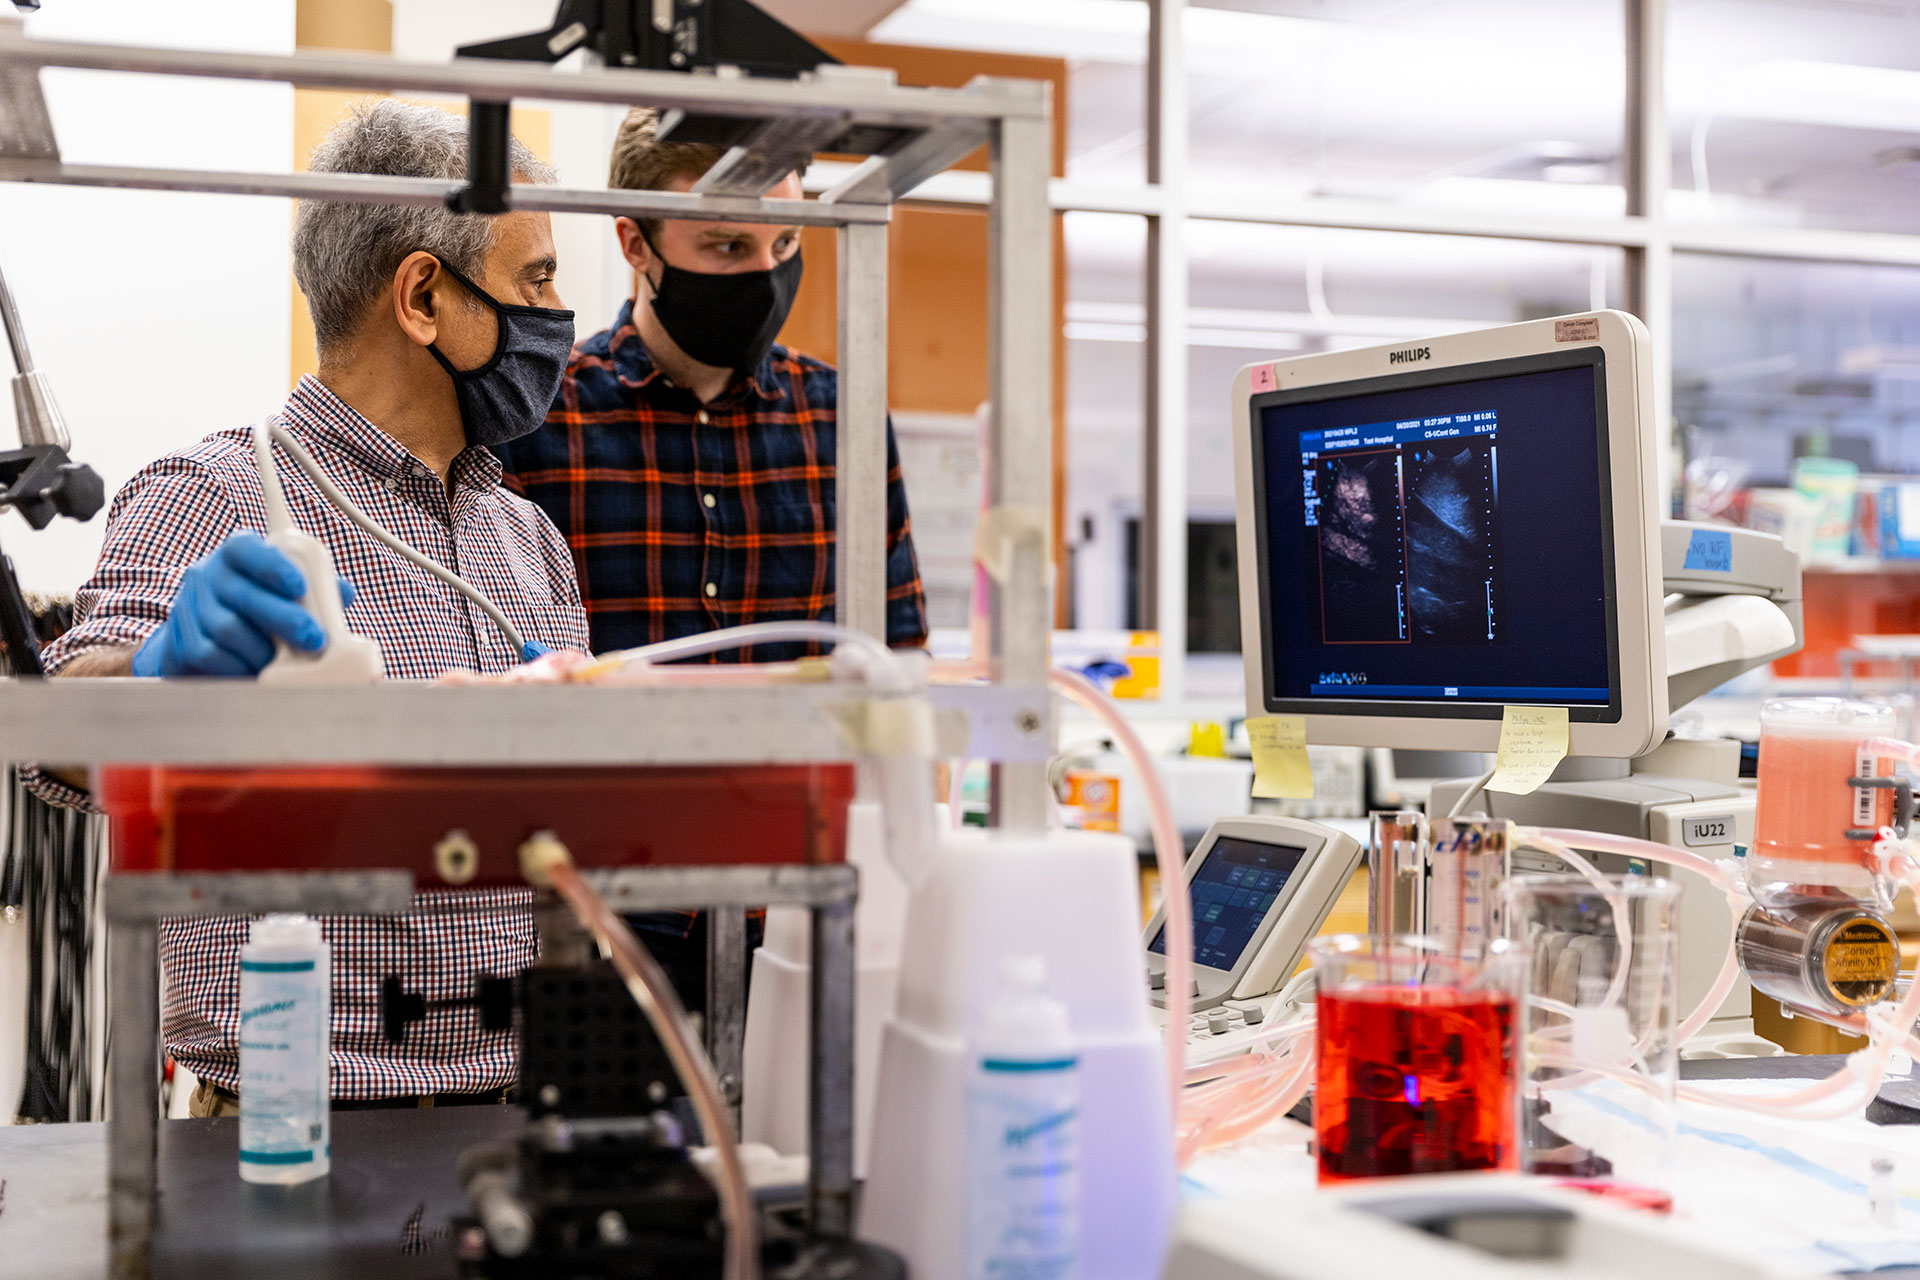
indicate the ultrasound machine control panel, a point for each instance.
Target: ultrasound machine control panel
{"x":1261,"y":887}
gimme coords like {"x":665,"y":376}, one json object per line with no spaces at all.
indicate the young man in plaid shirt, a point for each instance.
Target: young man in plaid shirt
{"x":440,"y":336}
{"x":689,"y":459}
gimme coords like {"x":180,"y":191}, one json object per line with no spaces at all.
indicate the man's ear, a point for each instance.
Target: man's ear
{"x":633,"y":245}
{"x":414,"y":306}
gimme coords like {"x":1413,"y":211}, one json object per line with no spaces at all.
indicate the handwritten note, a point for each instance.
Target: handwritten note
{"x":1263,"y":378}
{"x":1709,"y":551}
{"x":1533,"y":741}
{"x":1281,"y":770}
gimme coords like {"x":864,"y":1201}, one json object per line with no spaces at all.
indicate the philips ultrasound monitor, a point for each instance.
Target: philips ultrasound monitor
{"x":1430,"y":532}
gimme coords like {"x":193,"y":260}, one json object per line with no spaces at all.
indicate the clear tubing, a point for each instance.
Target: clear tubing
{"x":1713,"y":872}
{"x":956,"y":791}
{"x":1169,"y":854}
{"x":271,"y":494}
{"x":904,"y":774}
{"x":891,"y":673}
{"x":1627,"y":846}
{"x":278,"y":519}
{"x":654,"y":994}
{"x":1256,"y":1106}
{"x":1867,"y":1068}
{"x":1704,"y":1011}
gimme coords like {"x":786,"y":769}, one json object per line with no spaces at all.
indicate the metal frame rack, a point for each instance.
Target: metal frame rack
{"x":208,"y":723}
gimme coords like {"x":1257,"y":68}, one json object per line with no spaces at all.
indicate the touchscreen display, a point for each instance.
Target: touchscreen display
{"x":1232,"y":892}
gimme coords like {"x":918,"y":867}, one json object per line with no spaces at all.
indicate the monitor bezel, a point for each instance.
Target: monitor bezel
{"x":1634,"y":719}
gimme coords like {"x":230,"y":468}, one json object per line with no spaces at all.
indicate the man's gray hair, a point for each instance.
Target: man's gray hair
{"x":344,"y":255}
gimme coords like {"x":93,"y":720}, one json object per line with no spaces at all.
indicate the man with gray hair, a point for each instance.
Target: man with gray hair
{"x":440,"y":335}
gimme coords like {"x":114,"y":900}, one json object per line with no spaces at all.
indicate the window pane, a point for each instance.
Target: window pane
{"x":1500,"y":104}
{"x":1106,"y":410}
{"x":1796,"y":113}
{"x":1776,"y":359}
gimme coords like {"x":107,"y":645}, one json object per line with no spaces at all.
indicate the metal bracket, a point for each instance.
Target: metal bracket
{"x":629,"y":889}
{"x":142,"y":897}
{"x":26,"y":130}
{"x":1903,"y":806}
{"x":769,"y":152}
{"x":489,"y":169}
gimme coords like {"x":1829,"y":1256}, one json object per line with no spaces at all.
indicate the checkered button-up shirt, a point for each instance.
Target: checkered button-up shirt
{"x":686,"y":517}
{"x":182,"y":507}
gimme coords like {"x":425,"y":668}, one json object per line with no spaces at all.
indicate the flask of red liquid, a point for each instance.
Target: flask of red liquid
{"x":1418,"y":1055}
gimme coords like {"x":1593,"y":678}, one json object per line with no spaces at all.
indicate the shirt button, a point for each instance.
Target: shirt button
{"x":712,"y":590}
{"x":708,"y":500}
{"x":419,"y":470}
{"x":701,"y":417}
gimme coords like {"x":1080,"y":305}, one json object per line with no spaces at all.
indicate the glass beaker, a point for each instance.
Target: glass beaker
{"x":1601,"y":1059}
{"x":1813,"y":831}
{"x":1417,"y":1066}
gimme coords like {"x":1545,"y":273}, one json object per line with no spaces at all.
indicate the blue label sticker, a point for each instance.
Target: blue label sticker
{"x":1710,"y":551}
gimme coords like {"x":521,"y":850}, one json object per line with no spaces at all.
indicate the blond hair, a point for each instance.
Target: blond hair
{"x":641,"y":162}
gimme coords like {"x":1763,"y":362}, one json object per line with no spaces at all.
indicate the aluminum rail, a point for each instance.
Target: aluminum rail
{"x":402,"y":722}
{"x":867,"y":97}
{"x":369,"y":189}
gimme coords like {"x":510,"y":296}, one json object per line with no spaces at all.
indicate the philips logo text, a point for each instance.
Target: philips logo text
{"x":1409,"y":355}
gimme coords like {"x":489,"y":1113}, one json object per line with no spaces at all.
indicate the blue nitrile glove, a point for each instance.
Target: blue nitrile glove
{"x":533,"y":649}
{"x":232,"y":605}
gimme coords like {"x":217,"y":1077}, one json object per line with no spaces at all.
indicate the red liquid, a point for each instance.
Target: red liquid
{"x":1414,"y":1080}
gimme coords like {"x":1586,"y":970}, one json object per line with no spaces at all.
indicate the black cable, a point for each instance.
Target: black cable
{"x":55,"y":856}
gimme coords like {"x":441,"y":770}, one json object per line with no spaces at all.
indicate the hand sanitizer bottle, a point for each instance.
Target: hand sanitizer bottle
{"x":1023,"y":1135}
{"x":286,"y":971}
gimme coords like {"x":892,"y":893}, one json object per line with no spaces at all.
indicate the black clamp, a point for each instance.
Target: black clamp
{"x":489,"y":172}
{"x":493,"y":997}
{"x":41,"y":482}
{"x":1903,"y":806}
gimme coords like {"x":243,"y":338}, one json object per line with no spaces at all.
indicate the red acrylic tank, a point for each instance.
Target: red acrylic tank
{"x":345,"y":818}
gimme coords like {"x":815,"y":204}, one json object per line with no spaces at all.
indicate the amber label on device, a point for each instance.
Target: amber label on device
{"x":1585,"y":329}
{"x":1861,"y":961}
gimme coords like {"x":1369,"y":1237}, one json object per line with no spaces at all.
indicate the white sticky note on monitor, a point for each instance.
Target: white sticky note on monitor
{"x":1533,"y":742}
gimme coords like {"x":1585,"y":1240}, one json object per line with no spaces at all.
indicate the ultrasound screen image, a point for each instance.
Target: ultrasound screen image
{"x":1440,"y":538}
{"x":1452,"y":574}
{"x":1362,"y":551}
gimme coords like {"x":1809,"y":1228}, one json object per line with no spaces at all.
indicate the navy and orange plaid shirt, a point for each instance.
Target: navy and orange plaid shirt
{"x":684,"y":518}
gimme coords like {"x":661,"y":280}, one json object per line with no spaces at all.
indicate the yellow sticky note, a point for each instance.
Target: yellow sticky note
{"x":1281,"y":770}
{"x":1533,"y":742}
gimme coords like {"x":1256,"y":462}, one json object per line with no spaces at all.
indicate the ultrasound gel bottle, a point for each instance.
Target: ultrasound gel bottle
{"x":1023,"y":1135}
{"x":286,"y":970}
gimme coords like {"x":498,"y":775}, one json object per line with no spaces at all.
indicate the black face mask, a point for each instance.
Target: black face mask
{"x":727,"y":321}
{"x":508,"y":396}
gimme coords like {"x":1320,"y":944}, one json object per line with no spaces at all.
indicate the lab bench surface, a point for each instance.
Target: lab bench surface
{"x":380,"y":1215}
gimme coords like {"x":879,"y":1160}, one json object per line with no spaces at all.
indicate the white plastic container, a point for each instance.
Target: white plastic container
{"x":994,"y":894}
{"x":1023,"y":1135}
{"x":286,"y":971}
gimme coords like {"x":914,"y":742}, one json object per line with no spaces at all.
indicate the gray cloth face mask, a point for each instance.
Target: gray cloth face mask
{"x":508,"y":396}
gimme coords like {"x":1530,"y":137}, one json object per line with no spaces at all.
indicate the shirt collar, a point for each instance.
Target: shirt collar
{"x":326,"y":416}
{"x":634,"y":365}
